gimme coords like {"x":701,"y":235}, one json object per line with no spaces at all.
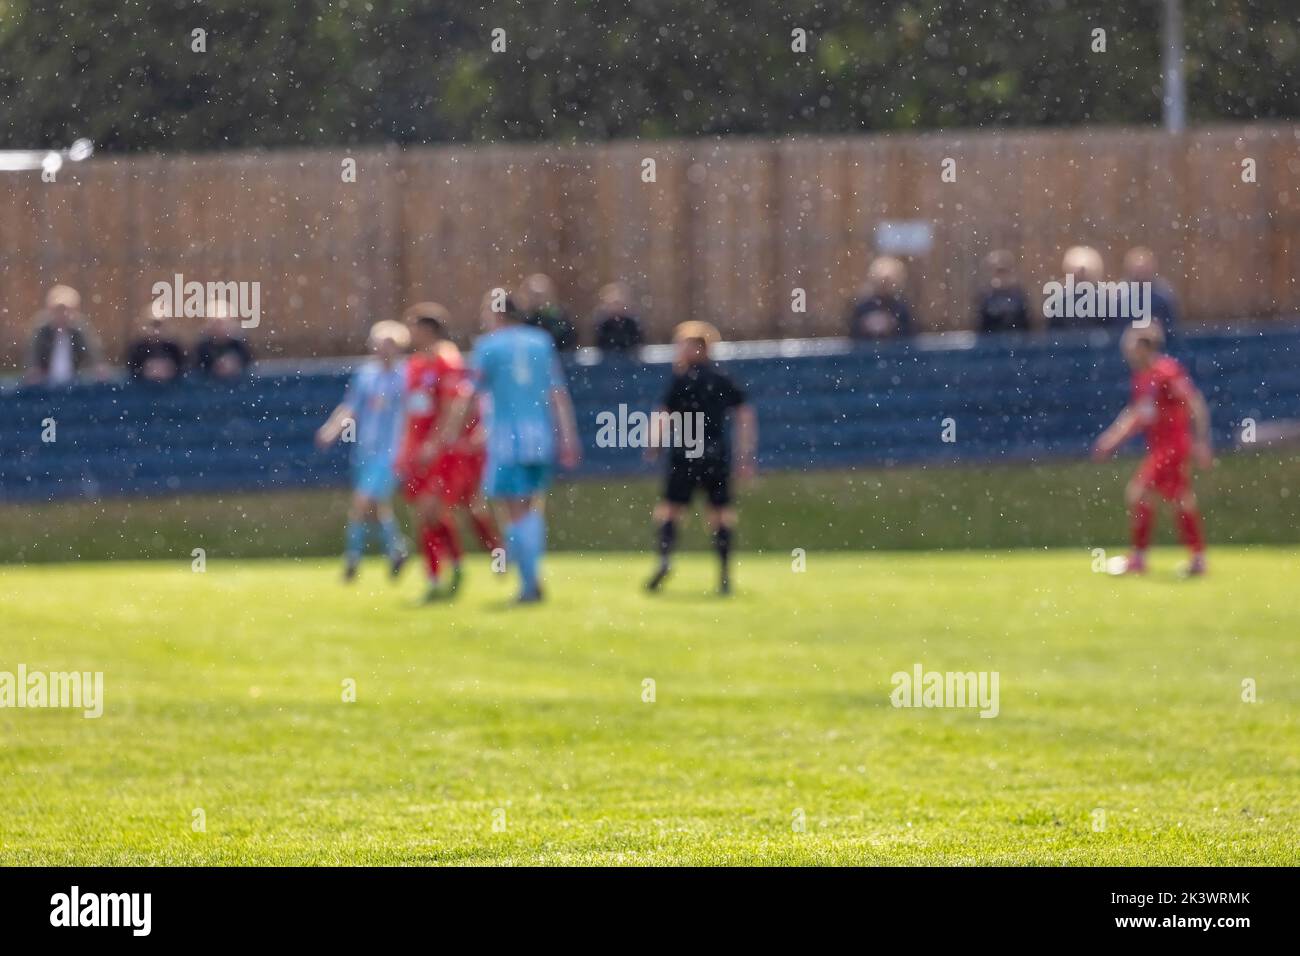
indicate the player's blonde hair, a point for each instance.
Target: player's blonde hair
{"x":427,"y":310}
{"x":702,"y":331}
{"x":389,"y":330}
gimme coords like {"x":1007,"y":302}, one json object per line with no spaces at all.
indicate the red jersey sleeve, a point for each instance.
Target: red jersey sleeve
{"x":1174,"y":381}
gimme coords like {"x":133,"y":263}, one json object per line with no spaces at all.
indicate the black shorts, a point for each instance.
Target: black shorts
{"x":687,"y":474}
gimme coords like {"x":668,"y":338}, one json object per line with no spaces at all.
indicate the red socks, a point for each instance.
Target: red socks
{"x":1141,"y":522}
{"x":486,"y":530}
{"x":442,"y":540}
{"x":430,"y":543}
{"x":1189,"y":529}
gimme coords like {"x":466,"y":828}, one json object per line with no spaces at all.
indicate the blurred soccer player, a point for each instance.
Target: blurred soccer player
{"x":1172,"y":413}
{"x":700,"y":388}
{"x":370,"y":418}
{"x":516,"y":367}
{"x":442,"y":470}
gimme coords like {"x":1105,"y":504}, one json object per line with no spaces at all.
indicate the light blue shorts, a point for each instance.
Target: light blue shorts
{"x":374,"y":478}
{"x":516,"y":481}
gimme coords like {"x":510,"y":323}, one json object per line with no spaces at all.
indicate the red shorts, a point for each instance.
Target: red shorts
{"x":1166,"y":471}
{"x":455,"y":477}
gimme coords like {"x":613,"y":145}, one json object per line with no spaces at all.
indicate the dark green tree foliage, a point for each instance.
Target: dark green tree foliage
{"x":125,"y":74}
{"x":305,"y":72}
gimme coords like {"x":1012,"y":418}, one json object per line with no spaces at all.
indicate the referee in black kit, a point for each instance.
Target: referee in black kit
{"x":697,"y":403}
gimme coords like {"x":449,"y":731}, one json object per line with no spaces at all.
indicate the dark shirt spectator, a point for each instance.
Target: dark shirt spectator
{"x":220,"y":352}
{"x":63,"y":346}
{"x":222,"y":357}
{"x":880,"y":311}
{"x":620,"y":332}
{"x":880,"y":317}
{"x":154,"y":356}
{"x":1002,"y":305}
{"x":555,"y":321}
{"x":538,"y":300}
{"x":1003,"y":310}
{"x":1140,"y":266}
{"x":1164,"y":308}
{"x":1086,"y":266}
{"x":618,"y":328}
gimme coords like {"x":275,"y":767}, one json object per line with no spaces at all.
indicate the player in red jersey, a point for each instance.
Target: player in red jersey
{"x":441,"y":475}
{"x":1172,"y":412}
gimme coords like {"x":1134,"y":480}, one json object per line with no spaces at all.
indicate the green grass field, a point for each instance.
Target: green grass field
{"x":224,"y":692}
{"x":1249,"y":498}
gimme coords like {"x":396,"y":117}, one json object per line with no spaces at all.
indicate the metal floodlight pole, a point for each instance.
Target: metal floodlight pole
{"x":1175,"y":87}
{"x":51,"y":160}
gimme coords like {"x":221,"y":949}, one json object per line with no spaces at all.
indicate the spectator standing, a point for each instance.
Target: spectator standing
{"x":222,"y":351}
{"x":155,"y":355}
{"x":1140,"y":266}
{"x":63,"y":346}
{"x":1085,"y":264}
{"x":880,"y":311}
{"x":618,"y":327}
{"x":1002,"y":305}
{"x":538,"y":301}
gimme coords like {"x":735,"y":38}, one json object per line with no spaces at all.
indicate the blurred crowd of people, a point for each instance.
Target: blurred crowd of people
{"x":64,"y":347}
{"x":615,"y":323}
{"x":881,"y":310}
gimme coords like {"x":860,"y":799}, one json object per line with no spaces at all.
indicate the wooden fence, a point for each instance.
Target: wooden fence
{"x":725,"y":231}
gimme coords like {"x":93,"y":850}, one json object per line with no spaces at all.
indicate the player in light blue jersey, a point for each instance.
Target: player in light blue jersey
{"x":530,"y":425}
{"x":370,"y":418}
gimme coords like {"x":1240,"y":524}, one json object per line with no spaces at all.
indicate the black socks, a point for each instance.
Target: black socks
{"x":722,"y":542}
{"x":667,"y":540}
